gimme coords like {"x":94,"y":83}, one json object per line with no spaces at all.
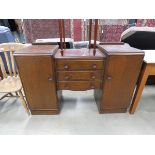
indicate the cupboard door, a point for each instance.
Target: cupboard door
{"x":121,"y":75}
{"x":37,"y":76}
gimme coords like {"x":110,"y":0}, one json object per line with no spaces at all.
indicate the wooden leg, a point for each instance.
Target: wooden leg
{"x":10,"y":94}
{"x":24,"y":102}
{"x":23,"y":93}
{"x":16,"y":93}
{"x":140,"y":86}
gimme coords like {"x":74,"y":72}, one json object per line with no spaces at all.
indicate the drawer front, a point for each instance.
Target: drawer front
{"x":79,"y":64}
{"x":79,"y":75}
{"x":78,"y":85}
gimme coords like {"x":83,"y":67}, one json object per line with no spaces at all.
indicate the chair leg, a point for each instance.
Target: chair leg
{"x":16,"y":93}
{"x":23,"y":102}
{"x":6,"y":95}
{"x":10,"y":94}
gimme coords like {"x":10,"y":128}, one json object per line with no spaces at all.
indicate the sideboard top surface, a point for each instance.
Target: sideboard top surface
{"x":120,"y":49}
{"x":80,"y":53}
{"x":38,"y":50}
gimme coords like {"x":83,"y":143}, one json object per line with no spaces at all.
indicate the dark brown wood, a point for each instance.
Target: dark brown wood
{"x":122,"y":73}
{"x":112,"y":72}
{"x":79,"y":75}
{"x":36,"y":50}
{"x":79,"y":85}
{"x":114,"y":110}
{"x":79,"y":65}
{"x":122,"y":68}
{"x":79,"y":69}
{"x":38,"y":78}
{"x":95,"y":35}
{"x":63,"y":30}
{"x":61,"y":35}
{"x":90,"y":29}
{"x":44,"y":112}
{"x":79,"y":54}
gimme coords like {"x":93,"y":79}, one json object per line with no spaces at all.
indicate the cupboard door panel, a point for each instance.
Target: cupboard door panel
{"x":120,"y":80}
{"x":37,"y":76}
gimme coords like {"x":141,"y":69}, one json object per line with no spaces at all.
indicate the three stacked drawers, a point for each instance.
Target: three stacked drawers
{"x":77,"y":74}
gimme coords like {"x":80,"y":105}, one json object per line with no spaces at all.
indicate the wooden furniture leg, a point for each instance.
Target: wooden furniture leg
{"x":23,"y":101}
{"x":140,"y":86}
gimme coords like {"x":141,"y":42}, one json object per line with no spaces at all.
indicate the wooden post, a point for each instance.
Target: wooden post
{"x":63,"y":33}
{"x":60,"y":32}
{"x":95,"y":35}
{"x":90,"y":28}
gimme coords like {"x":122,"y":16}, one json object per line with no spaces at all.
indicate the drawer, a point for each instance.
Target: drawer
{"x":79,"y":75}
{"x":79,"y":64}
{"x":78,"y":85}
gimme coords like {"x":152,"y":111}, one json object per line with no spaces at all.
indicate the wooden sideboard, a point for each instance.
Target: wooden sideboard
{"x":112,"y":72}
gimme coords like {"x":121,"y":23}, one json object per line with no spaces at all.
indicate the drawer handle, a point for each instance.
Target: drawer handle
{"x":50,"y":79}
{"x":93,"y":77}
{"x":94,"y":66}
{"x":109,"y":78}
{"x":66,"y":66}
{"x":66,"y":78}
